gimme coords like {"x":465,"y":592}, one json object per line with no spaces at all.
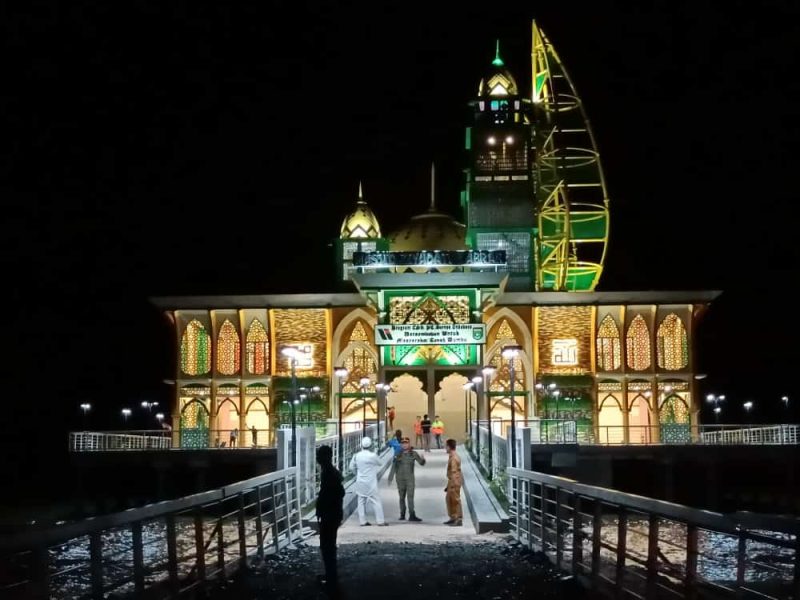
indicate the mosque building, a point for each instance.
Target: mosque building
{"x":430,"y":306}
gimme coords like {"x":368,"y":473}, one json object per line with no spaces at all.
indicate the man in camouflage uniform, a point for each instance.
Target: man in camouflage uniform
{"x":403,"y":468}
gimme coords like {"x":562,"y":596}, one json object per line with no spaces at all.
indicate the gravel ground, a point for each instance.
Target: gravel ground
{"x":498,"y":569}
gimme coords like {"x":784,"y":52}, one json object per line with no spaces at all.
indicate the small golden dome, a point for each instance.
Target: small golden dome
{"x":432,"y":230}
{"x":361,"y":223}
{"x":500,"y":82}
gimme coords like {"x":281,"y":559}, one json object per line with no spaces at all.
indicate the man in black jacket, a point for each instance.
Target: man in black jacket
{"x":329,"y":511}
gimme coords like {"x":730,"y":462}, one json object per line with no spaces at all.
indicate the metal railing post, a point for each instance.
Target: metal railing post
{"x":559,"y":529}
{"x":242,"y":533}
{"x":96,"y":565}
{"x":622,"y":548}
{"x":577,"y":536}
{"x":138,"y":558}
{"x":597,"y":524}
{"x":172,"y":556}
{"x":652,"y":557}
{"x":200,"y":549}
{"x":259,"y":524}
{"x":691,"y":561}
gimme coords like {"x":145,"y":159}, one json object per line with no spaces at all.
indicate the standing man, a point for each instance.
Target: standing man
{"x":233,"y":437}
{"x":254,"y":433}
{"x":418,"y":432}
{"x":366,"y":465}
{"x":329,"y":511}
{"x":453,"y":489}
{"x":437,"y":427}
{"x":426,"y":433}
{"x":403,"y":467}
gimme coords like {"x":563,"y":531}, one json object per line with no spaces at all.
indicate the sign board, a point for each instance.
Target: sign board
{"x":442,"y":334}
{"x":430,"y":258}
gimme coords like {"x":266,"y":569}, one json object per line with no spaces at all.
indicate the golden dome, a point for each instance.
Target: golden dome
{"x":500,"y":82}
{"x":432,"y":230}
{"x":361,"y":223}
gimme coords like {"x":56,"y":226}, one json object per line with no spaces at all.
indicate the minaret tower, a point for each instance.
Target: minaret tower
{"x":360,"y":232}
{"x":498,"y":199}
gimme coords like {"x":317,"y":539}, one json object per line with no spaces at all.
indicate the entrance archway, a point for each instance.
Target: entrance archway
{"x":410,"y":399}
{"x":450,"y":403}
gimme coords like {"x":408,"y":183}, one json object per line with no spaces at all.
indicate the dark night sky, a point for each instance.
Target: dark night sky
{"x":176,"y":148}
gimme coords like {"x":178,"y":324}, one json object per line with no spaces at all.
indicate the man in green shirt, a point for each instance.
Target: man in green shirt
{"x":403,"y":468}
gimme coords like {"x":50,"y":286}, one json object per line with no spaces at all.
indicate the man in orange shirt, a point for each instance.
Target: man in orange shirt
{"x":418,"y":432}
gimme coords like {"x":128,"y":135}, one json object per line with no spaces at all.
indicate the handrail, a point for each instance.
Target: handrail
{"x":619,"y":540}
{"x":215,"y":531}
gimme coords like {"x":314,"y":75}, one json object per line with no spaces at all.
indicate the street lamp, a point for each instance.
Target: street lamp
{"x":748,"y":406}
{"x":717,"y":410}
{"x":85,"y":407}
{"x":510,"y":353}
{"x":149,"y":405}
{"x":341,"y":373}
{"x":291,"y":352}
{"x":487,"y":372}
{"x":467,"y":387}
{"x":315,"y":390}
{"x":477,"y":381}
{"x":785,"y":400}
{"x":126,"y":412}
{"x":385,"y":388}
{"x":364,"y":381}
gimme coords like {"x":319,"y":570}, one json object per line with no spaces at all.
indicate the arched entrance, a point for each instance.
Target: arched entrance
{"x":610,"y":421}
{"x":410,"y":399}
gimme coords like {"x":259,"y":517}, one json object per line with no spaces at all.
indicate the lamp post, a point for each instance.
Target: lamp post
{"x":510,"y":353}
{"x":477,"y":380}
{"x":785,"y":400}
{"x":85,"y":407}
{"x":487,"y":372}
{"x":341,"y":374}
{"x":715,"y":400}
{"x":126,"y":412}
{"x":291,"y":352}
{"x":748,"y":406}
{"x":467,"y":387}
{"x":385,"y":388}
{"x":717,"y":410}
{"x":364,"y":382}
{"x":315,"y":394}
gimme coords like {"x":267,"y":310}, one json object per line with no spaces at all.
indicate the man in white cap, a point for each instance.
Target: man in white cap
{"x":366,"y":464}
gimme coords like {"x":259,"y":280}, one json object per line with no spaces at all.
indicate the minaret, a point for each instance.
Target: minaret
{"x":498,"y":198}
{"x":360,"y":232}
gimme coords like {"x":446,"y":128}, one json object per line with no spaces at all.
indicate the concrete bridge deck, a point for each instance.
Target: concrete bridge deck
{"x":414,"y":560}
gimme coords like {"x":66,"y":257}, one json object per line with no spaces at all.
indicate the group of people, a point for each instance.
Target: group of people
{"x":424,"y":427}
{"x":366,"y":465}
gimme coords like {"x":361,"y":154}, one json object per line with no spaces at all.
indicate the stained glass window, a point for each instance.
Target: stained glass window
{"x":609,"y":351}
{"x":257,"y":349}
{"x":228,"y":349}
{"x":672,"y":343}
{"x":501,"y":381}
{"x":195,"y":349}
{"x":504,"y":332}
{"x":674,"y":410}
{"x":637,"y":344}
{"x":429,"y":309}
{"x":359,"y":362}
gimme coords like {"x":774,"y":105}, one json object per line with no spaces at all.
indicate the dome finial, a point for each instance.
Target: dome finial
{"x":360,"y":192}
{"x":433,"y":186}
{"x":497,"y":62}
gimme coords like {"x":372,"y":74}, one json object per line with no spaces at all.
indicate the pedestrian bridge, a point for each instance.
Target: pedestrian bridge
{"x":214,"y":541}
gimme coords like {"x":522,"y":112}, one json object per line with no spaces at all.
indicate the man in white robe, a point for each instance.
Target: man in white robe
{"x":366,"y":465}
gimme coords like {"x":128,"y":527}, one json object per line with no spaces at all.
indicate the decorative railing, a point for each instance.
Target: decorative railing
{"x":645,"y":548}
{"x":159,"y":550}
{"x":772,"y":434}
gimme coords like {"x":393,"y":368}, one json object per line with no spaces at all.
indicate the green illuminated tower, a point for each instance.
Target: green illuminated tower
{"x":535,"y":186}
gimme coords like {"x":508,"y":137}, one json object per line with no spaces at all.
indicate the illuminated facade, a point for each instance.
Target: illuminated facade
{"x":433,"y":302}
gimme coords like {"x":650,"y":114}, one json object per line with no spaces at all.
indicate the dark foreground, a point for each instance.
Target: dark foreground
{"x":389,"y":571}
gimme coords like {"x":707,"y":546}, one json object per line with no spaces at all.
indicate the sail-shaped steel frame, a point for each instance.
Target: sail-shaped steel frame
{"x":571,"y":196}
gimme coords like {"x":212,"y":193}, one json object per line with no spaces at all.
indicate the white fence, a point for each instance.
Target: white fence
{"x":89,"y":441}
{"x":773,"y":434}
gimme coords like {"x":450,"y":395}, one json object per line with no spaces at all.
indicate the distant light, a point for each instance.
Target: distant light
{"x":290,"y":351}
{"x":717,"y":410}
{"x":539,"y":386}
{"x":86,"y":406}
{"x":491,"y":140}
{"x":511,"y":351}
{"x":552,"y":386}
{"x":364,"y":381}
{"x":468,"y":385}
{"x":126,"y":412}
{"x":509,"y":140}
{"x":160,"y":416}
{"x":710,"y":397}
{"x":477,"y":379}
{"x":488,"y":371}
{"x":700,"y":376}
{"x":340,"y":371}
{"x":748,"y":405}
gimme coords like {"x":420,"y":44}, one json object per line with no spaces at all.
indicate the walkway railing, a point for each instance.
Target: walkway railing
{"x":650,"y":548}
{"x":89,"y":441}
{"x":164,"y":549}
{"x":773,"y":434}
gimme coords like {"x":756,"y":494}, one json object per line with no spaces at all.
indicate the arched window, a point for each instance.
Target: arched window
{"x":359,"y":362}
{"x":637,"y":344}
{"x":672,"y":343}
{"x":195,"y":349}
{"x":609,"y":351}
{"x":228,"y":349}
{"x":501,"y":381}
{"x":257,"y":349}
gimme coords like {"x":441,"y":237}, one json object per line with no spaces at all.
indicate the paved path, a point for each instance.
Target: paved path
{"x":430,"y":507}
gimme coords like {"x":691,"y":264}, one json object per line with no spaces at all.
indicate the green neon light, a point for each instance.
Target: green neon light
{"x":497,"y":62}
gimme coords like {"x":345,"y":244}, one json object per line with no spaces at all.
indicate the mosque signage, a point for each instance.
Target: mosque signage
{"x":442,"y":334}
{"x":430,"y":258}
